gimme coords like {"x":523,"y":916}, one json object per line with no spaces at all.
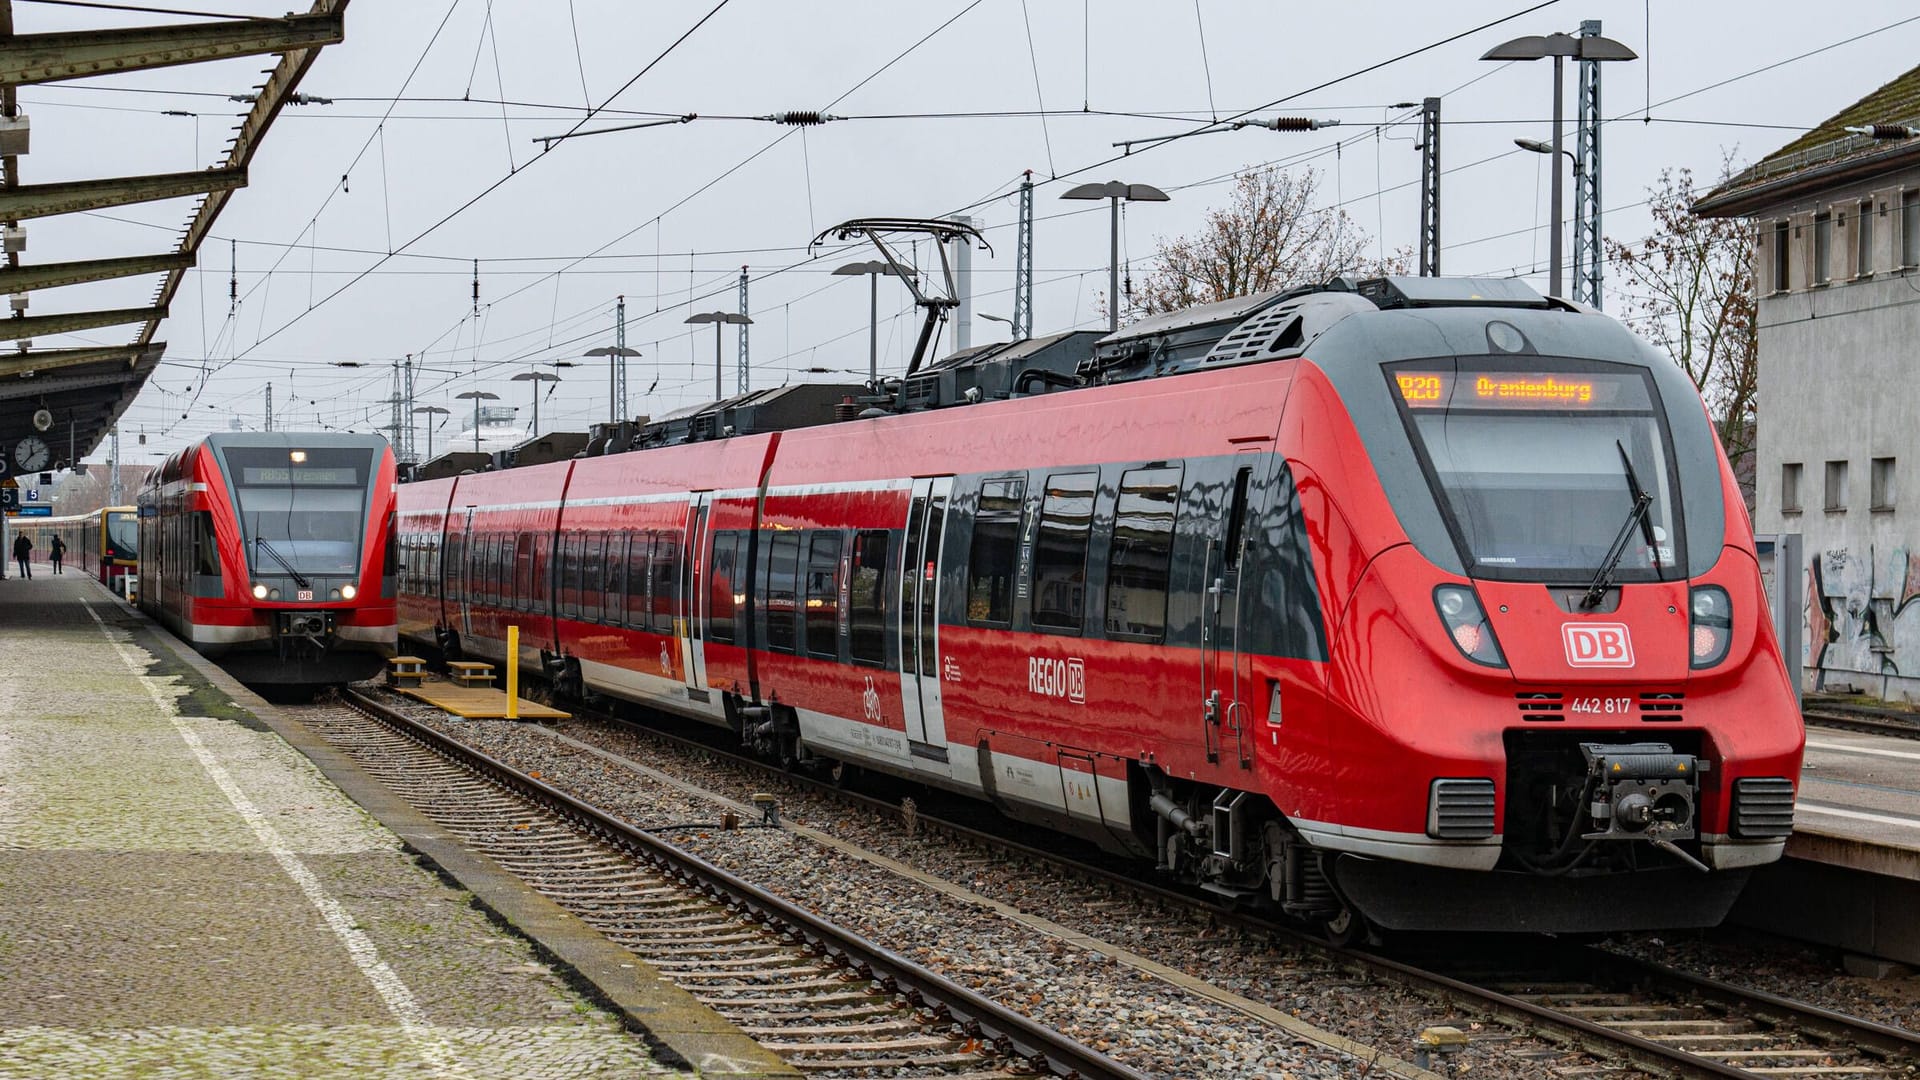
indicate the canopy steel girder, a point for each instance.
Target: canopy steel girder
{"x":73,"y":196}
{"x":77,"y":54}
{"x":33,"y":326}
{"x":280,"y":83}
{"x":19,"y":279}
{"x":24,"y":363}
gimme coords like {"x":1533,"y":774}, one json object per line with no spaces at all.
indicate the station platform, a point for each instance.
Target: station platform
{"x":191,"y":884}
{"x":1852,"y":873}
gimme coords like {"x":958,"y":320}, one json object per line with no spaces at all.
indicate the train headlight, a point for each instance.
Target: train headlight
{"x":273,"y":594}
{"x":348,"y":592}
{"x":1712,"y":625}
{"x":1467,"y":625}
{"x":259,"y":591}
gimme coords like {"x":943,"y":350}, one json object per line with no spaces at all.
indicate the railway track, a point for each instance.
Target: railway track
{"x":828,"y":1002}
{"x":1615,"y":1008}
{"x":1896,"y":723}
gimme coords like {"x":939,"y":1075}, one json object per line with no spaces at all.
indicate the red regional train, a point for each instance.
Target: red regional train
{"x":104,"y":543}
{"x":274,"y":554}
{"x":1412,"y":603}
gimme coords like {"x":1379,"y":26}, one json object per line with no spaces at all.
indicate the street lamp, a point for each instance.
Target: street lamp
{"x":873,"y":269}
{"x":1115,"y":190}
{"x":719,"y":318}
{"x":430,"y":410}
{"x":536,"y":378}
{"x":478,"y":396}
{"x":1559,"y":46}
{"x":619,"y":354}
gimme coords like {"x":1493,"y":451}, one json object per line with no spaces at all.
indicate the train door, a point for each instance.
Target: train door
{"x":920,"y":617}
{"x":687,"y":621}
{"x":1224,"y":711}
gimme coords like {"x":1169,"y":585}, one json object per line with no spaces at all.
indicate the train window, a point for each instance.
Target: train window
{"x":782,"y":579}
{"x":567,"y":574}
{"x":393,"y":548}
{"x":1140,"y":552}
{"x":823,"y":594}
{"x":1060,"y":553}
{"x":593,"y":582}
{"x":867,"y":598}
{"x":726,"y":593}
{"x":455,"y":583}
{"x":639,"y":574}
{"x":1237,"y":518}
{"x":995,"y":550}
{"x":666,"y":580}
{"x":523,"y":571}
{"x":206,"y":553}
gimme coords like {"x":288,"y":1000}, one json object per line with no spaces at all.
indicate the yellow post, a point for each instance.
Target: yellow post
{"x":513,"y":673}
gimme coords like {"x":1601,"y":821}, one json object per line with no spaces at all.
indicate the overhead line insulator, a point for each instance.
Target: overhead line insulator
{"x":799,"y":117}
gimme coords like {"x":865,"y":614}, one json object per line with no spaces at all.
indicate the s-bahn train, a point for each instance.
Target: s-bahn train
{"x":104,"y":543}
{"x":274,"y":554}
{"x":1412,"y":603}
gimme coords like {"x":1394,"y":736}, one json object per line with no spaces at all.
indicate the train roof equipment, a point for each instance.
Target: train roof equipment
{"x":885,"y":234}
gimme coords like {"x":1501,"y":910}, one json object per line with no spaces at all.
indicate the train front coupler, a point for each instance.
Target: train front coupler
{"x":1643,"y":793}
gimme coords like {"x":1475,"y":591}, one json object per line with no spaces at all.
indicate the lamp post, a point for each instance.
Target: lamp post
{"x":718,"y":319}
{"x":430,"y":411}
{"x":617,"y":354}
{"x":1115,"y":191}
{"x":1560,"y":47}
{"x":536,"y":378}
{"x":873,"y":269}
{"x":478,"y":396}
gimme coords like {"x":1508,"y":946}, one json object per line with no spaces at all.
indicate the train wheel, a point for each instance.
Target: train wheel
{"x":1347,"y":928}
{"x":840,"y":774}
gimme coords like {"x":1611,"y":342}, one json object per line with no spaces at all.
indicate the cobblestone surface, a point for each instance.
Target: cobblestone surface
{"x":146,"y":928}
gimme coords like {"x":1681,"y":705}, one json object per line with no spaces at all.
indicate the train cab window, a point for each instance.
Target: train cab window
{"x":726,"y":587}
{"x":206,"y":553}
{"x":665,"y":597}
{"x":1060,"y":553}
{"x":867,"y":598}
{"x":778,"y":587}
{"x":1140,"y":553}
{"x":639,"y":574}
{"x":1237,"y":518}
{"x":994,"y":552}
{"x":823,"y":594}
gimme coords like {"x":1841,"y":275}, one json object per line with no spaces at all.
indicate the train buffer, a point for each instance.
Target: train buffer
{"x":407,"y":671}
{"x":470,"y":673}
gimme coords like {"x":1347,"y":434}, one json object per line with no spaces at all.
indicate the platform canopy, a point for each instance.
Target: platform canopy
{"x":80,"y":336}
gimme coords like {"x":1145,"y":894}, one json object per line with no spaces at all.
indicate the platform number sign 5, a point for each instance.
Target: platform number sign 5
{"x":1597,"y":644}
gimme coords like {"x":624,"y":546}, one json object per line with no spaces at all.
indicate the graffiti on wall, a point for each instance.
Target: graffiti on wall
{"x":1861,"y":614}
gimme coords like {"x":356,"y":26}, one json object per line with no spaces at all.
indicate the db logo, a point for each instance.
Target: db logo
{"x":1048,"y":677}
{"x":1597,"y":644}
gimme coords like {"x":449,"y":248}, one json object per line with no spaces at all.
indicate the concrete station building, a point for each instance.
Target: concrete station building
{"x":1836,"y":226}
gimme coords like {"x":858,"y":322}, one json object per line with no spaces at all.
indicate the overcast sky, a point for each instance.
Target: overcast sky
{"x":666,"y":216}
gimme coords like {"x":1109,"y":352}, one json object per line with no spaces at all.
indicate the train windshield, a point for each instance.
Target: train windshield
{"x":1539,"y":465}
{"x":301,"y":511}
{"x":123,"y":533}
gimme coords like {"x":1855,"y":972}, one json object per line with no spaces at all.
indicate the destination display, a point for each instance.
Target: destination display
{"x":264,"y":475}
{"x":1469,"y":389}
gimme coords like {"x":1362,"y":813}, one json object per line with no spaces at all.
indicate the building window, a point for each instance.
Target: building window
{"x":1881,"y":484}
{"x":1822,"y":248}
{"x":1782,"y":251}
{"x":1910,"y":227}
{"x":1836,"y":485}
{"x":1790,"y":487}
{"x":1863,"y":240}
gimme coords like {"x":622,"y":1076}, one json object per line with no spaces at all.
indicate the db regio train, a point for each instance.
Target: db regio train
{"x":1412,"y":603}
{"x":274,"y":554}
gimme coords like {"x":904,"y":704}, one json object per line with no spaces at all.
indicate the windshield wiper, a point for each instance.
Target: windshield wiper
{"x":1603,"y":580}
{"x":298,"y":579}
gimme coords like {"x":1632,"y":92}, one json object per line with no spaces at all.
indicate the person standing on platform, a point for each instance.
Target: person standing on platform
{"x":23,"y":554}
{"x":55,"y":551}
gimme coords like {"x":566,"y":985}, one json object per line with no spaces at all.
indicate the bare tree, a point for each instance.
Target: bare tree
{"x":1689,"y":289}
{"x":1268,"y":236}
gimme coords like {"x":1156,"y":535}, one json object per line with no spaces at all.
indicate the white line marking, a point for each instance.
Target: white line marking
{"x":1850,"y":748}
{"x":399,"y":1000}
{"x":1859,"y":815}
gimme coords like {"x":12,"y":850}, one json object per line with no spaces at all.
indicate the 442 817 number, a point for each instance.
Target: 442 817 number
{"x":1601,"y":706}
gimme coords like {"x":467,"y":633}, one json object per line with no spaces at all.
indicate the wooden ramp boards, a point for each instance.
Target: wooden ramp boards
{"x":478,"y":702}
